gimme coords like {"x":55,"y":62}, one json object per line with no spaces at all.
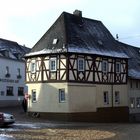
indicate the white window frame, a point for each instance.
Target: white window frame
{"x":62,"y":96}
{"x":117,"y":97}
{"x":106,"y":97}
{"x":81,"y":64}
{"x":105,"y":66}
{"x":52,"y":68}
{"x":33,"y":66}
{"x":118,"y":67}
{"x":34,"y":99}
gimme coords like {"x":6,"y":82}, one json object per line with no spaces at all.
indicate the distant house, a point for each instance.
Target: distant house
{"x":12,"y":72}
{"x":77,"y":71}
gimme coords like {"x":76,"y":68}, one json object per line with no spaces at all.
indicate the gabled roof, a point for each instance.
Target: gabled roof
{"x":12,"y":50}
{"x":74,"y":33}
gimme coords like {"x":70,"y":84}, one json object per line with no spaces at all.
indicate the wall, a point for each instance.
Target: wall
{"x":48,"y":97}
{"x":11,"y":81}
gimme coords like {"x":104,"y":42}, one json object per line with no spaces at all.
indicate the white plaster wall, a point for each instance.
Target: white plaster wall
{"x":13,"y":66}
{"x":48,"y":97}
{"x":82,"y":97}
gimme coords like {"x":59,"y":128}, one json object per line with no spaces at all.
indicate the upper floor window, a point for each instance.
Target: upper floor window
{"x":19,"y":74}
{"x":118,"y":67}
{"x":105,"y":66}
{"x":81,"y":66}
{"x":53,"y":64}
{"x":33,"y":67}
{"x":106,"y":97}
{"x":7,"y":72}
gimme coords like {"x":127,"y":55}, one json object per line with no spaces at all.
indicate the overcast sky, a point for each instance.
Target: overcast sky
{"x":25,"y":21}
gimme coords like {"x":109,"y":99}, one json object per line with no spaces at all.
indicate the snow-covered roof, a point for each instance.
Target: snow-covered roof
{"x":12,"y":50}
{"x":76,"y":34}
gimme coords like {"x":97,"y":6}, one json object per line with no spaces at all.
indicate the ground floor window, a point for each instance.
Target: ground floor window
{"x":9,"y":91}
{"x":20,"y":91}
{"x":117,"y":97}
{"x":62,"y":97}
{"x":132,"y":102}
{"x":106,"y":97}
{"x":138,"y":102}
{"x":34,"y":96}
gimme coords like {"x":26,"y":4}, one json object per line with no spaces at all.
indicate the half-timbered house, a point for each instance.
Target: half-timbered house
{"x":77,"y":71}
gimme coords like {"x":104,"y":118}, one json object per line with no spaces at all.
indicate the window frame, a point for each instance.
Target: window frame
{"x":104,"y":66}
{"x":106,"y":97}
{"x":138,"y":102}
{"x":51,"y":66}
{"x":33,"y":66}
{"x":9,"y":91}
{"x":118,"y":69}
{"x":62,"y":96}
{"x":132,"y":104}
{"x":117,"y":97}
{"x":19,"y":91}
{"x":34,"y":98}
{"x":81,"y":66}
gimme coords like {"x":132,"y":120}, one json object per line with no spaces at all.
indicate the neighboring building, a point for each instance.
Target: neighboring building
{"x":77,"y":71}
{"x":12,"y":72}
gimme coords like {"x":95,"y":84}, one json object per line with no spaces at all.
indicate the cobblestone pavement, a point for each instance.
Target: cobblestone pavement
{"x":39,"y":129}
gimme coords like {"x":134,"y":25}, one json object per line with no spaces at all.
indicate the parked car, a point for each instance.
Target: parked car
{"x":6,"y":119}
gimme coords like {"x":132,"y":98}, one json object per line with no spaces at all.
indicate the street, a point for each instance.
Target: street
{"x":27,"y":128}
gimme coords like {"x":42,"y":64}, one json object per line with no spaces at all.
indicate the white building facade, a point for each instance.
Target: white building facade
{"x":12,"y":73}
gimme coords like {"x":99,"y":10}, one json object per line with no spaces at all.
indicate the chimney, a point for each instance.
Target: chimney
{"x":77,"y":13}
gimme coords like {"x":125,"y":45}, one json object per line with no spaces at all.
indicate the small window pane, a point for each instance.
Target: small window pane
{"x":62,"y":95}
{"x":33,"y":67}
{"x":118,"y":67}
{"x":9,"y":91}
{"x":20,"y":91}
{"x":132,"y":102}
{"x":106,"y":98}
{"x":104,"y":66}
{"x":138,"y":102}
{"x":34,"y":96}
{"x":80,"y":64}
{"x":117,"y":97}
{"x":53,"y":64}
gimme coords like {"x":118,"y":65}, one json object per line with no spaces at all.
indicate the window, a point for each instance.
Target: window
{"x":81,"y":64}
{"x":118,"y":67}
{"x":132,"y":102}
{"x":55,"y":41}
{"x":33,"y":67}
{"x":104,"y":66}
{"x":117,"y":97}
{"x":9,"y":91}
{"x":53,"y":64}
{"x":62,"y":95}
{"x":138,"y":102}
{"x":20,"y":91}
{"x":106,"y":97}
{"x":137,"y":84}
{"x":7,"y":72}
{"x":18,"y":75}
{"x":34,"y":96}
